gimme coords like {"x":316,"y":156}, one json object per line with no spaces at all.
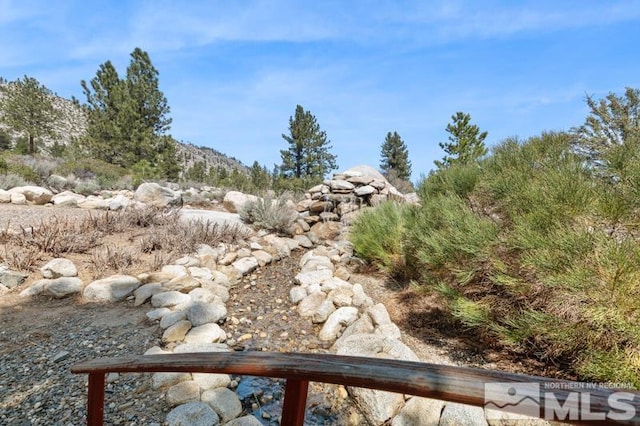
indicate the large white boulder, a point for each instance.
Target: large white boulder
{"x":152,"y":194}
{"x":111,"y":289}
{"x":234,"y":200}
{"x":35,"y":194}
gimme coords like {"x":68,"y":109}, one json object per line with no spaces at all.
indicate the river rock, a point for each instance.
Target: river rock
{"x":59,"y":267}
{"x":460,"y":414}
{"x":224,"y":402}
{"x":34,"y":194}
{"x":193,"y":414}
{"x":145,"y":292}
{"x":206,"y":333}
{"x":63,"y":287}
{"x":11,"y":279}
{"x":152,"y":194}
{"x":419,"y":411}
{"x":169,"y":298}
{"x":234,"y":201}
{"x":200,"y":313}
{"x":248,"y":420}
{"x":67,"y":199}
{"x":176,"y":332}
{"x":111,"y":289}
{"x":344,"y":316}
{"x":183,"y":392}
{"x":246,"y":265}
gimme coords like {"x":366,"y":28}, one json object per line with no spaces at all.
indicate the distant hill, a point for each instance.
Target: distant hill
{"x":73,"y":124}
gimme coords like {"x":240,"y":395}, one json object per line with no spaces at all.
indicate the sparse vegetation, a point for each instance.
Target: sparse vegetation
{"x":276,"y":215}
{"x":128,"y":241}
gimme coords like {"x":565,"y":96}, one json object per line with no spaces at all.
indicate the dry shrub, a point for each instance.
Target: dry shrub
{"x":128,"y":219}
{"x":21,"y":258}
{"x":57,"y":236}
{"x":113,"y":258}
{"x":184,"y":237}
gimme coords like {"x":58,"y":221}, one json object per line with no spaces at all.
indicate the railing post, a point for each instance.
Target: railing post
{"x":95,"y":399}
{"x":295,"y":401}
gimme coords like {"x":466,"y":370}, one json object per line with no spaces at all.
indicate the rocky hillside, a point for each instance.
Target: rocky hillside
{"x":73,"y":124}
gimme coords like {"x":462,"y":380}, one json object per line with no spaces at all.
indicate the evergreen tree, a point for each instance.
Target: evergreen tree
{"x":26,"y":106}
{"x":395,"y":157}
{"x":613,"y":122}
{"x":259,"y":176}
{"x":308,"y":154}
{"x":466,"y":142}
{"x":127,"y":118}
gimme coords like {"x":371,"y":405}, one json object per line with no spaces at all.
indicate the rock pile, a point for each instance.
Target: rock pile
{"x":339,"y":198}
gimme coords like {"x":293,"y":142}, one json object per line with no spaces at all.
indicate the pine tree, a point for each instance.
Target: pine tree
{"x":395,"y":157}
{"x":612,"y":122}
{"x":127,"y":118}
{"x":466,"y":142}
{"x":26,"y":107}
{"x":308,"y":154}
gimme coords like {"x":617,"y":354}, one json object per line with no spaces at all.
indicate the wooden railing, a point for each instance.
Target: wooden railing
{"x":448,"y":383}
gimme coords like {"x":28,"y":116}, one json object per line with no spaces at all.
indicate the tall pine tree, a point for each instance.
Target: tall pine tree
{"x":466,"y":142}
{"x":26,"y":106}
{"x":308,"y":155}
{"x":128,"y":118}
{"x":395,"y":157}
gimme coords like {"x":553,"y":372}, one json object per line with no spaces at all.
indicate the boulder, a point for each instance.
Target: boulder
{"x":419,"y":411}
{"x":152,"y":194}
{"x":59,"y":267}
{"x":200,"y":313}
{"x":461,"y":414}
{"x":163,"y":380}
{"x":18,"y":198}
{"x":63,"y":287}
{"x":34,"y":194}
{"x":171,"y":318}
{"x":342,"y":317}
{"x":111,"y":289}
{"x":183,"y":392}
{"x":176,"y":332}
{"x":247,"y":420}
{"x":206,"y":333}
{"x":192,"y":414}
{"x":145,"y":292}
{"x":94,"y":203}
{"x":327,"y":230}
{"x":169,"y":298}
{"x":208,"y":381}
{"x":12,"y":279}
{"x":234,"y":200}
{"x":246,"y":265}
{"x":5,"y":196}
{"x":67,"y":199}
{"x":224,"y":402}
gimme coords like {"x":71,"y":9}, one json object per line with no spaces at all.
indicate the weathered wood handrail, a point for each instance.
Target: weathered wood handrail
{"x":449,"y":383}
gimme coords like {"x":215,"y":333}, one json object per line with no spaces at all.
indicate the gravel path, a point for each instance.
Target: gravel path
{"x":41,"y":339}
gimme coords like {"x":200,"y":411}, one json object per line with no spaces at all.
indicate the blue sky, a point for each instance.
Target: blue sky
{"x":233,"y":72}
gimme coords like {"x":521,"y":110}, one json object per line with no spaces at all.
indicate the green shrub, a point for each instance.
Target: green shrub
{"x":378,"y":236}
{"x":445,"y":232}
{"x":531,"y":248}
{"x":9,"y":180}
{"x":87,"y":187}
